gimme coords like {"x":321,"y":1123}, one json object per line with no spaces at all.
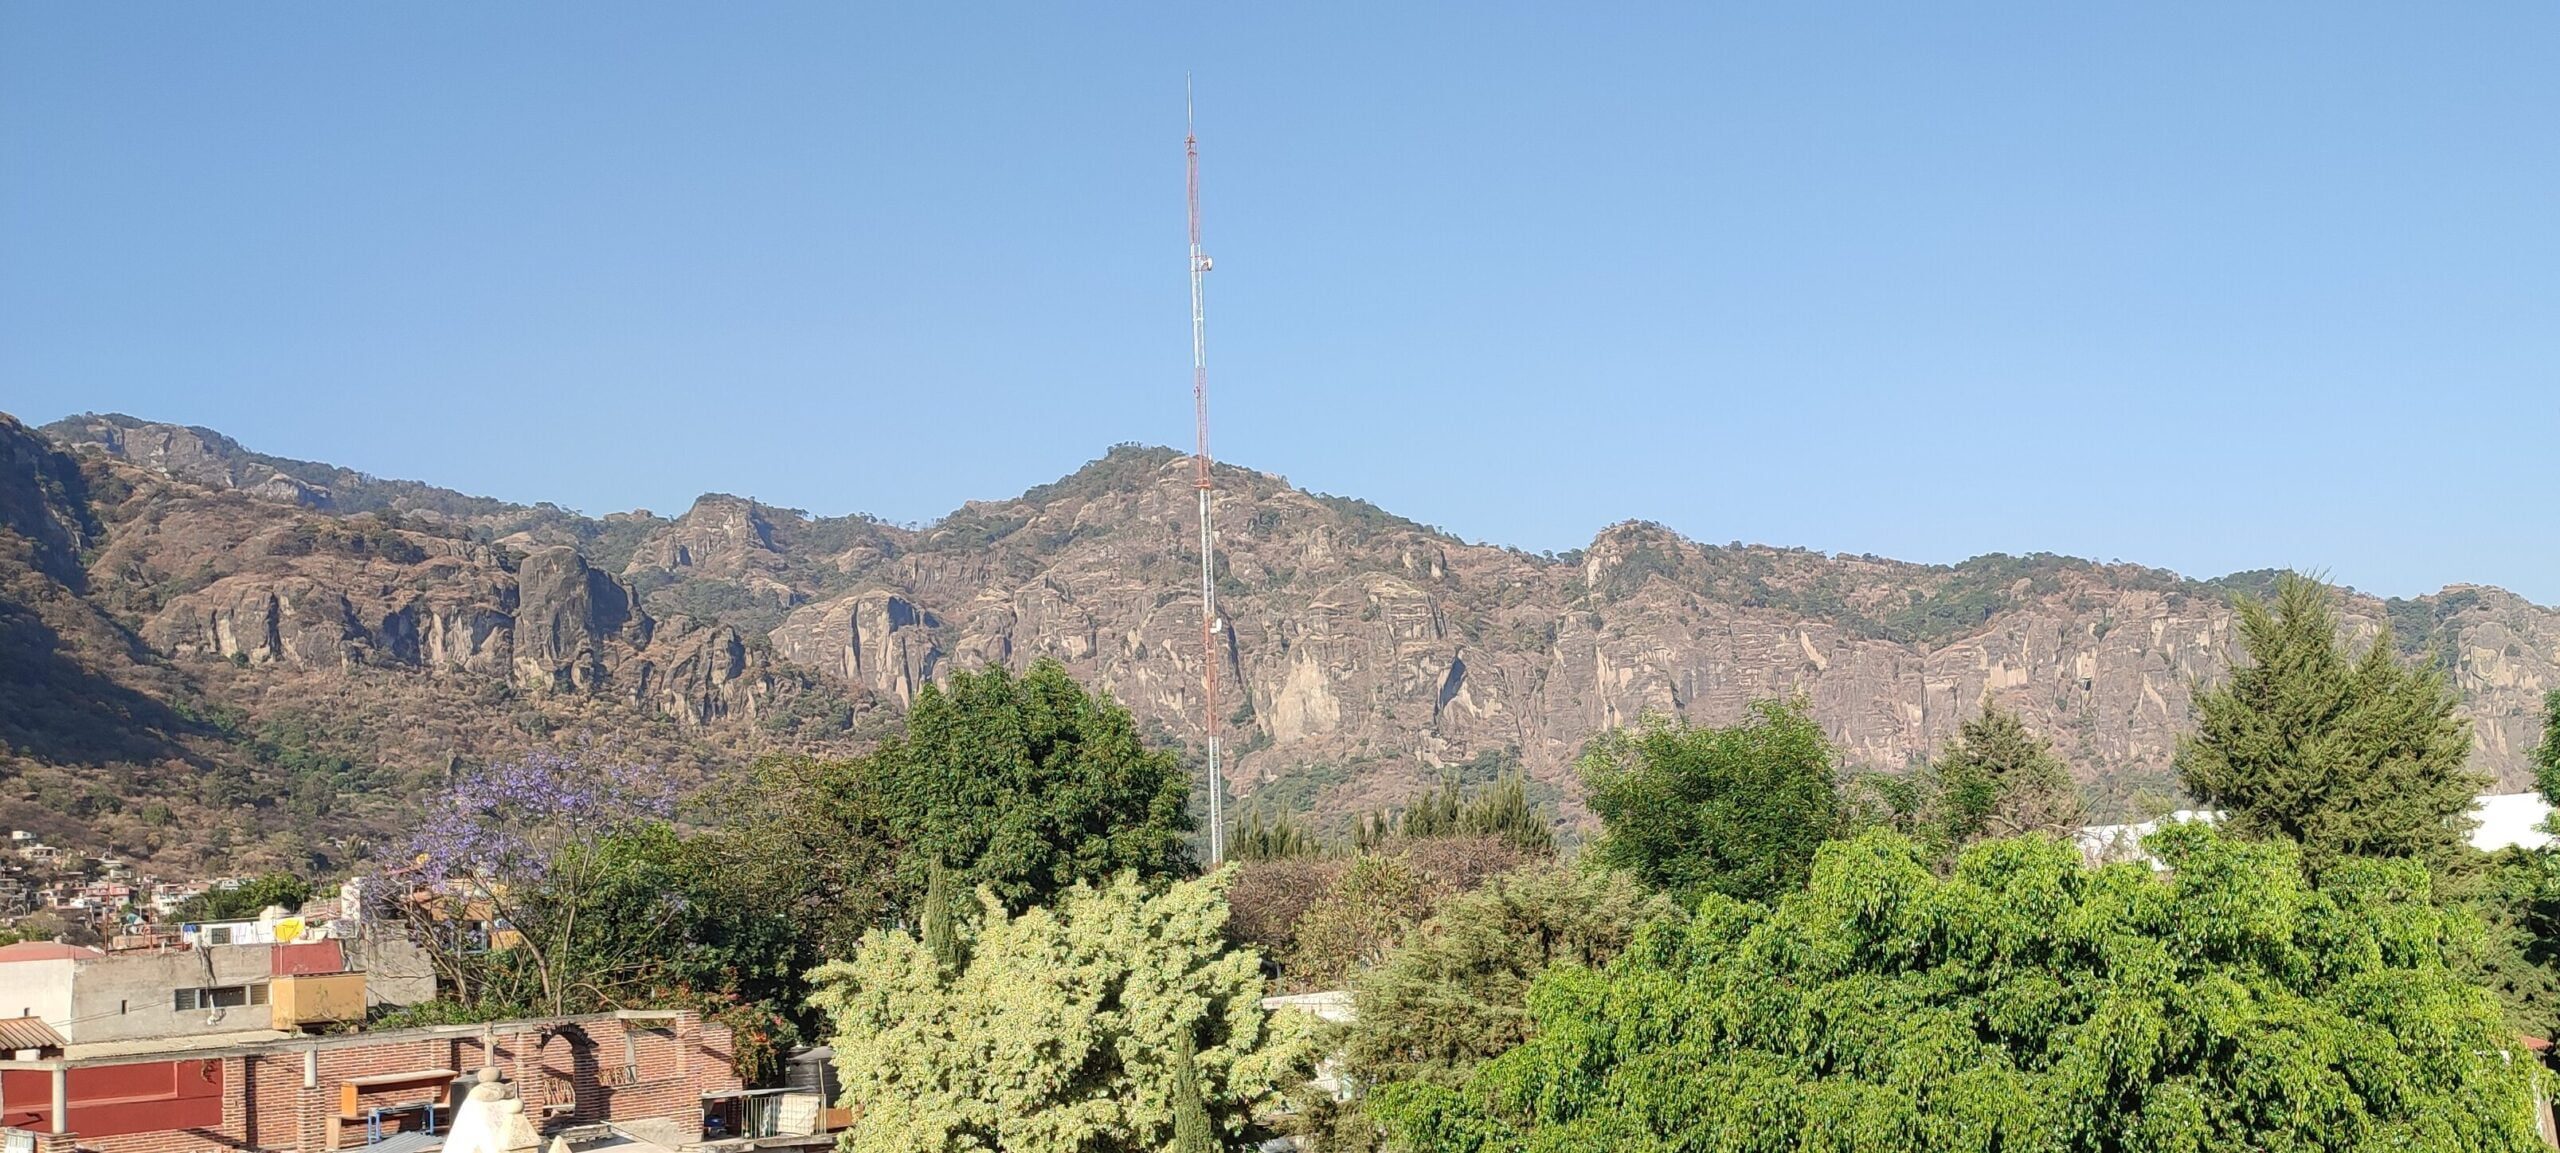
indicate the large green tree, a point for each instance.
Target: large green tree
{"x":1024,"y":785}
{"x":1116,"y":1018}
{"x":2027,"y":1003}
{"x":2344,"y":754}
{"x":1737,"y":810}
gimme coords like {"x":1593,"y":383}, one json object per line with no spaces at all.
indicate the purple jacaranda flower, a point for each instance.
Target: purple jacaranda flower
{"x":510,"y":820}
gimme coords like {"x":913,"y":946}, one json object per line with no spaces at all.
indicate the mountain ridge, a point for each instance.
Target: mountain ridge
{"x":1375,"y":654}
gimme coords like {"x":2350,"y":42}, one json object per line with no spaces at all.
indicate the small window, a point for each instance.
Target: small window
{"x":219,"y":936}
{"x":229,"y":996}
{"x":257,"y":994}
{"x":190,"y":1000}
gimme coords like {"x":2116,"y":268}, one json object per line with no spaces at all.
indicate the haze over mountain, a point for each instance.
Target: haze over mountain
{"x":211,"y":649}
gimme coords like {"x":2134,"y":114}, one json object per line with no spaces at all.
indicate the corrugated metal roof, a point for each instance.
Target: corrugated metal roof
{"x":27,"y":1033}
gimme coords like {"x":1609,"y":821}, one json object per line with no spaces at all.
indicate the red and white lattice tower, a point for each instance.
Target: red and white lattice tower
{"x":1200,"y":461}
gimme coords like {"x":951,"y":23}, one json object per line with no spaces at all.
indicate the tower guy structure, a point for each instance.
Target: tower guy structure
{"x":1201,"y":481}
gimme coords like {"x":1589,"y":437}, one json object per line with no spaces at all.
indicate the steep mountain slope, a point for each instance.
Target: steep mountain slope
{"x":1373,"y":654}
{"x":225,"y":671}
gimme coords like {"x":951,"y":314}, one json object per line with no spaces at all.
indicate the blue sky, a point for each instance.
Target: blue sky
{"x":2207,"y":286}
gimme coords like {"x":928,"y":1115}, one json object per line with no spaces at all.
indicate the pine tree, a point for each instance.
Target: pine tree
{"x":2345,"y":755}
{"x":1504,"y":811}
{"x":1277,"y":839}
{"x":1997,"y":779}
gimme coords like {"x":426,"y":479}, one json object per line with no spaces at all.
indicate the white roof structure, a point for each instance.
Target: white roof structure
{"x":2106,"y":844}
{"x":2510,"y":820}
{"x":2505,"y":820}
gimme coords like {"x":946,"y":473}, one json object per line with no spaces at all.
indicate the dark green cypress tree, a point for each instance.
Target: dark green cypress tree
{"x":1193,"y":1132}
{"x":2546,"y":756}
{"x":2346,"y":755}
{"x":941,"y":937}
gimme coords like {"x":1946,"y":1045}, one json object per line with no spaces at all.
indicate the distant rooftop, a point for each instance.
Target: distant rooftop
{"x":46,"y":951}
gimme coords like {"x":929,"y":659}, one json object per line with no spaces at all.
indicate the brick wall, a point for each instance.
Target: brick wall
{"x":569,"y":1067}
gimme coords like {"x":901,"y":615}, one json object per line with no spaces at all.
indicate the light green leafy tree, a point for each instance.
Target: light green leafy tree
{"x":1736,"y":810}
{"x":1455,"y":992}
{"x":1064,"y":1029}
{"x":2027,"y":1003}
{"x":2345,"y":755}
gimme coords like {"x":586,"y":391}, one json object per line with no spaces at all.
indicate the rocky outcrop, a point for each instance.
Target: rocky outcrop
{"x":290,"y":620}
{"x":569,"y":619}
{"x":43,"y":502}
{"x":720,"y":535}
{"x":1353,"y":639}
{"x":1359,"y":652}
{"x":546,"y":622}
{"x":200,"y":455}
{"x":880,"y":641}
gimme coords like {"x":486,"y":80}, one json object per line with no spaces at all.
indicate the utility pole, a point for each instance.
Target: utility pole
{"x":1200,"y":462}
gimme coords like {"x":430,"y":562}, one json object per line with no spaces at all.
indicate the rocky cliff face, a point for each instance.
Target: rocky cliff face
{"x":1365,"y":653}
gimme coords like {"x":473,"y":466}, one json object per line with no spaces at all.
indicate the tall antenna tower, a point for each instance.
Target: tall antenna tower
{"x":1200,"y":461}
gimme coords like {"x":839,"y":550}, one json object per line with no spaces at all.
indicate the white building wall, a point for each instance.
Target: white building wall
{"x":39,"y":989}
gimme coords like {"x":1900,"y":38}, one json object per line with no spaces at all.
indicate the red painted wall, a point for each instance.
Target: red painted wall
{"x":108,"y":1100}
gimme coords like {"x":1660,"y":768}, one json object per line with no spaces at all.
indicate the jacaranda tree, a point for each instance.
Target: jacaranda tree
{"x":2027,"y":1003}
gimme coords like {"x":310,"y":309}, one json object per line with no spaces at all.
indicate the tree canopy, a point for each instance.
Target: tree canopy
{"x":247,"y":899}
{"x":557,"y":885}
{"x":1097,"y":1022}
{"x":2342,"y":754}
{"x":1024,"y":785}
{"x":1737,"y":810}
{"x":2028,"y":1002}
{"x":1453,"y":993}
{"x":1997,"y":779}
